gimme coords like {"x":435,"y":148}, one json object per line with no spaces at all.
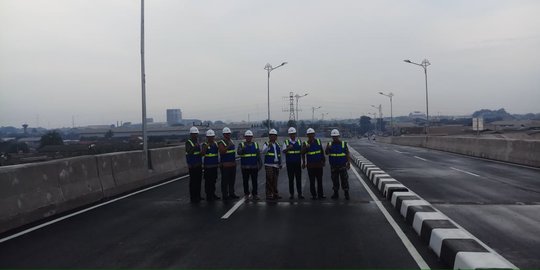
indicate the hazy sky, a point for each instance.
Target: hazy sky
{"x":64,"y":58}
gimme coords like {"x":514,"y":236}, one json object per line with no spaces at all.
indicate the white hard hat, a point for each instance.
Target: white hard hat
{"x":310,"y":131}
{"x":194,"y":130}
{"x":248,"y":133}
{"x":210,"y":133}
{"x":226,"y":130}
{"x":273,"y":132}
{"x":292,"y":130}
{"x":334,"y":132}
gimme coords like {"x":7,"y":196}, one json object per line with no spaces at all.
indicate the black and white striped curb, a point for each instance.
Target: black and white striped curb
{"x":453,"y":245}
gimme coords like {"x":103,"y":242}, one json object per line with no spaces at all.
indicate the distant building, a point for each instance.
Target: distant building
{"x":417,"y":115}
{"x":174,"y":116}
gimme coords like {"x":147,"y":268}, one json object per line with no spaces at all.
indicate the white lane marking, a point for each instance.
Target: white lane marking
{"x":473,"y":174}
{"x":86,"y":210}
{"x":236,"y":206}
{"x":412,"y":250}
{"x":420,"y":158}
{"x":398,"y":151}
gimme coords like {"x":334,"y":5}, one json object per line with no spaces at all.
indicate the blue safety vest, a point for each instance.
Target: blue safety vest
{"x":270,"y":156}
{"x":338,"y":153}
{"x":230,"y":156}
{"x":293,"y":155}
{"x":211,"y":156}
{"x":314,"y":153}
{"x":249,"y":154}
{"x":194,"y":158}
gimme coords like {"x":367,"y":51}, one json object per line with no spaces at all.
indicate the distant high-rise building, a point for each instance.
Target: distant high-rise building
{"x":174,"y":116}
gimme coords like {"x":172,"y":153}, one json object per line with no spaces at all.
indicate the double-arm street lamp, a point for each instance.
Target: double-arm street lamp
{"x":297,"y":96}
{"x":425,"y":63}
{"x":269,"y":68}
{"x":390,"y":95}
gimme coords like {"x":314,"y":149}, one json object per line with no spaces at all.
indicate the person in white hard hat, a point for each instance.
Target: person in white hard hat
{"x":338,"y":152}
{"x":292,"y":148}
{"x":312,"y":151}
{"x":194,"y":161}
{"x":209,"y":151}
{"x":250,"y":160}
{"x":272,"y":164}
{"x":227,"y":155}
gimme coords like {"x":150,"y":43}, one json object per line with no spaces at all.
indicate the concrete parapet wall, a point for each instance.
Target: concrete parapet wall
{"x":525,"y":152}
{"x":31,"y":192}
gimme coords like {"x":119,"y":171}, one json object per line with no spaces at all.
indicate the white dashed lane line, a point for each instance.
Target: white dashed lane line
{"x":420,"y":158}
{"x":470,"y":173}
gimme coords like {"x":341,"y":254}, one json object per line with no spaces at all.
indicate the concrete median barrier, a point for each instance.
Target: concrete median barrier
{"x":79,"y":180}
{"x":28,"y":192}
{"x":524,"y":152}
{"x":167,"y":162}
{"x":129,"y":171}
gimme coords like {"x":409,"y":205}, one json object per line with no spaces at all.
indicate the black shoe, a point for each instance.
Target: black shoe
{"x":234,"y":196}
{"x":322,"y":197}
{"x":226,"y":198}
{"x":313,"y":197}
{"x":291,"y":197}
{"x":335,"y":196}
{"x":301,"y":197}
{"x":255,"y":198}
{"x":217,"y":197}
{"x":347,"y":195}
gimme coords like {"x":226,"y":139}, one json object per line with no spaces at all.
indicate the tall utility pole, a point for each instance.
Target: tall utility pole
{"x":291,"y":107}
{"x":143,"y":90}
{"x":322,"y":115}
{"x":297,"y":96}
{"x":269,"y":69}
{"x":425,"y":63}
{"x":390,"y":95}
{"x":313,"y":113}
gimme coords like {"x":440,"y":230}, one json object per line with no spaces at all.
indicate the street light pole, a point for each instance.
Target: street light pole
{"x":425,"y":63}
{"x":297,"y":96}
{"x":313,"y":113}
{"x":143,"y":90}
{"x":269,"y":68}
{"x":390,"y":95}
{"x":380,"y":115}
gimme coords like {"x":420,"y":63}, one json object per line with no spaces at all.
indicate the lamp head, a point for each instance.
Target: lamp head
{"x":407,"y":61}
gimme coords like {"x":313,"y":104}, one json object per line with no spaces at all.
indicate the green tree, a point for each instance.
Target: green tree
{"x":109,"y":134}
{"x":365,"y":124}
{"x":291,"y":123}
{"x":265,"y":123}
{"x":51,"y":138}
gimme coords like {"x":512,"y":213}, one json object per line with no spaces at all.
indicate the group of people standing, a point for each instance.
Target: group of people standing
{"x":205,"y":158}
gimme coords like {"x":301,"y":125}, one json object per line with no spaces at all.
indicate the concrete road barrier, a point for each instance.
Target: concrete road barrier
{"x":79,"y":180}
{"x":525,"y":152}
{"x":28,"y":192}
{"x":31,"y":192}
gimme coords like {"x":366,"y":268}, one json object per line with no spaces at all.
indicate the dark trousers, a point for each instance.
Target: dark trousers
{"x":294,"y":170}
{"x":246,"y":174}
{"x":315,"y":174}
{"x":337,"y":173}
{"x":210,"y":178}
{"x":228,"y":177}
{"x":195,"y":179}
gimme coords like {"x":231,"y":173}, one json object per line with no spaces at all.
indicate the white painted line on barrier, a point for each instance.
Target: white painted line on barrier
{"x":86,"y":210}
{"x":408,"y":245}
{"x":235,"y":206}
{"x":470,"y":173}
{"x":420,"y":158}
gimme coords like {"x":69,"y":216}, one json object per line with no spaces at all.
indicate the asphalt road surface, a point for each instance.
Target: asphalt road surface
{"x":497,"y":202}
{"x":160,"y":228}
